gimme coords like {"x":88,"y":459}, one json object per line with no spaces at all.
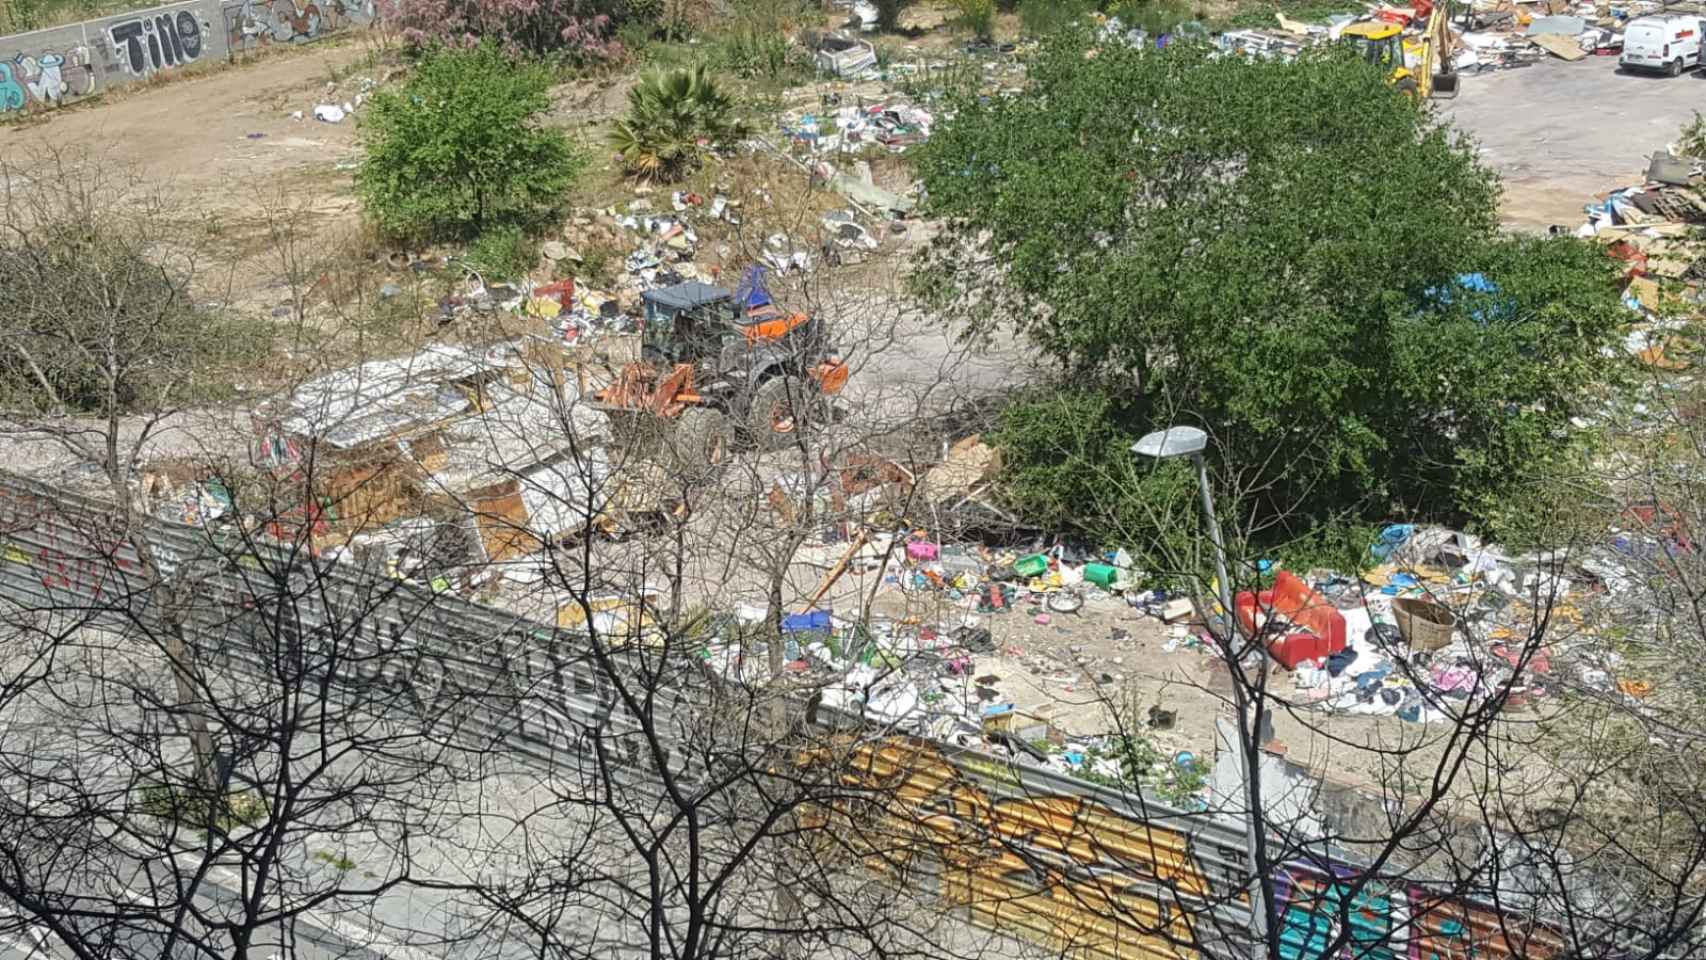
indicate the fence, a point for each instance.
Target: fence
{"x":1025,"y":850}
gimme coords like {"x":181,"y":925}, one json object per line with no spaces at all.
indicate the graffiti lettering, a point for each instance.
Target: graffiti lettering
{"x":255,"y":23}
{"x":46,"y":79}
{"x":157,"y":41}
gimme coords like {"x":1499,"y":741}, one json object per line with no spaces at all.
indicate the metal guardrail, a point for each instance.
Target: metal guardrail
{"x":1062,"y":860}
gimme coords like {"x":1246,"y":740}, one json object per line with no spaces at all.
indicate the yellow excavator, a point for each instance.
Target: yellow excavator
{"x":1382,"y":44}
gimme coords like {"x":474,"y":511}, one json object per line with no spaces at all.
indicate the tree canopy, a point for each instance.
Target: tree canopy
{"x":1291,"y":254}
{"x":461,"y":147}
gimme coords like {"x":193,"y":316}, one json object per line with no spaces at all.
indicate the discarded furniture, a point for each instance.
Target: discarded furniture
{"x":1291,"y":598}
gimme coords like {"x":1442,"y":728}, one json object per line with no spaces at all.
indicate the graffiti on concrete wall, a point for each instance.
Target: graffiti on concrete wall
{"x":156,"y":41}
{"x":51,"y":67}
{"x":259,"y":23}
{"x":1097,"y":881}
{"x":48,"y":78}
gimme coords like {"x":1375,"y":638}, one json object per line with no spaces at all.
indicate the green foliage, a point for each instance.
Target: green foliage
{"x":754,"y":53}
{"x":1155,"y":17}
{"x":601,"y":263}
{"x":1258,"y":247}
{"x":1067,"y":465}
{"x":1043,"y":17}
{"x":674,"y":119}
{"x":338,"y":861}
{"x":502,"y":253}
{"x":189,"y":807}
{"x":460,"y":148}
{"x":1692,"y":141}
{"x":1340,"y":545}
{"x":977,"y":17}
{"x":1262,"y":14}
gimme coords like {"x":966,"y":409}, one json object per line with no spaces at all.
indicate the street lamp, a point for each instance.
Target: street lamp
{"x":1179,"y":441}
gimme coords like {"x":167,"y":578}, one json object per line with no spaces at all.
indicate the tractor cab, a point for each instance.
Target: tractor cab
{"x":717,"y":365}
{"x":1382,"y":45}
{"x":686,"y":322}
{"x":692,"y":321}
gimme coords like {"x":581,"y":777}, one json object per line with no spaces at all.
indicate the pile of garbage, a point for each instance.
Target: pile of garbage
{"x":1438,"y":624}
{"x":891,"y":124}
{"x":1649,"y":228}
{"x":1485,"y":35}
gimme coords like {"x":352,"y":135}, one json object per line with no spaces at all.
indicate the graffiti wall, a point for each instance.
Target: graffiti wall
{"x":1055,"y":860}
{"x":255,"y":24}
{"x":47,"y":68}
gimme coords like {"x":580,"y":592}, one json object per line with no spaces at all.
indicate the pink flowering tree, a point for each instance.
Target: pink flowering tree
{"x":581,"y":30}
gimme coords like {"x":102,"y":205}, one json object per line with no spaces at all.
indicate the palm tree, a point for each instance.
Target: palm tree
{"x":674,"y":118}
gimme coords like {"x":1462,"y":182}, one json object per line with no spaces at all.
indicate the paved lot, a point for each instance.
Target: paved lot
{"x":1562,"y":133}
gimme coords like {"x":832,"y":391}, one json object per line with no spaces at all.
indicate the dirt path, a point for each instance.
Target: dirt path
{"x":220,"y":139}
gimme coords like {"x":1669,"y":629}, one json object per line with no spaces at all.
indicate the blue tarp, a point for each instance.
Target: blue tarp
{"x":751,"y":293}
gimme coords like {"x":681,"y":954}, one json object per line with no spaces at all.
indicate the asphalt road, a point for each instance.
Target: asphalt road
{"x":1562,"y":133}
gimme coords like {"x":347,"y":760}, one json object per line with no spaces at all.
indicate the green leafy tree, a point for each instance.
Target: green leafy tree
{"x":674,"y":118}
{"x":460,"y":147}
{"x":977,"y":17}
{"x":1280,"y":252}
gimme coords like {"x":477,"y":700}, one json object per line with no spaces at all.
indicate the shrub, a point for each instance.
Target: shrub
{"x":459,"y":148}
{"x":757,"y":55}
{"x":977,"y":17}
{"x":582,"y":31}
{"x":1441,"y":392}
{"x":502,"y":253}
{"x":674,"y":118}
{"x":1043,"y":17}
{"x":1067,"y":466}
{"x":192,"y":807}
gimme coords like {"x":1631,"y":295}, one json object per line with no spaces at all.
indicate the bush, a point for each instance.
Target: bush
{"x":192,"y":807}
{"x":1043,"y":17}
{"x":1067,"y":466}
{"x":459,"y":148}
{"x":674,"y":118}
{"x":977,"y":17}
{"x":502,"y":253}
{"x":754,"y":54}
{"x":1338,"y":352}
{"x":580,"y":31}
{"x":1154,"y":17}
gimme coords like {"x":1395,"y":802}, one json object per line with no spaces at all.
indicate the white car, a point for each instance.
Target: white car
{"x":1670,"y":44}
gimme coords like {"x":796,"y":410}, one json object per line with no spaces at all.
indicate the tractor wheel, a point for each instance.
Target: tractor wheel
{"x":1407,"y":87}
{"x":781,"y":408}
{"x":701,"y":439}
{"x":1675,"y":67}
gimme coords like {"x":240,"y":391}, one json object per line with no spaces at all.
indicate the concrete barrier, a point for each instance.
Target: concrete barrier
{"x":43,"y":69}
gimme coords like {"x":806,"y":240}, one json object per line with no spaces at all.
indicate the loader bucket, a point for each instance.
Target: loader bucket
{"x":1445,"y":85}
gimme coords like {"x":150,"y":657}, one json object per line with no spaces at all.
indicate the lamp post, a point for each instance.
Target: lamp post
{"x":1190,"y":442}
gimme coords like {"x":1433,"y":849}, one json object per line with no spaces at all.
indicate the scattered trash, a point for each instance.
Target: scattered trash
{"x":329,"y":113}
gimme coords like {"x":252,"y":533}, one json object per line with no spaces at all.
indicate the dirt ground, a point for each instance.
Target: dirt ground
{"x":1562,"y":134}
{"x":197,"y":135}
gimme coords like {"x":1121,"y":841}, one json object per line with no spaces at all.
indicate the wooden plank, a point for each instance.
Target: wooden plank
{"x":1565,"y":48}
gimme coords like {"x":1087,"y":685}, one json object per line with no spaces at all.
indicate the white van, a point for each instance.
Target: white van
{"x":1668,"y":43}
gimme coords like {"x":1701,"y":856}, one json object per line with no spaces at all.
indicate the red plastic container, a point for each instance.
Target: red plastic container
{"x":1291,"y":598}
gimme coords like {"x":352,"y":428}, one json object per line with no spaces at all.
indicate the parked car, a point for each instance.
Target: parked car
{"x":1667,"y":43}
